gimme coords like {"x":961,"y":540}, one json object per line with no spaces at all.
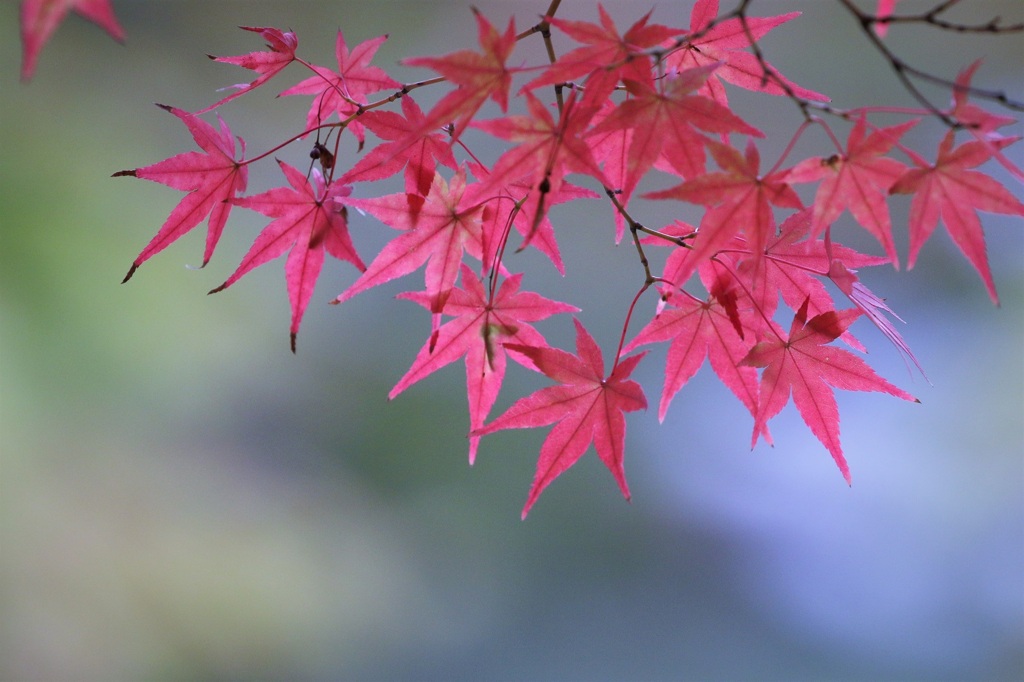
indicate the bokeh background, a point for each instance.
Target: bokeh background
{"x":182,"y":498}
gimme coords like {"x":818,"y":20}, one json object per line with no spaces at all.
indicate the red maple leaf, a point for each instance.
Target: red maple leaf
{"x":212,"y":179}
{"x":309,"y":221}
{"x":725,"y":43}
{"x":793,"y":266}
{"x":435,"y":230}
{"x":858,"y":180}
{"x":344,"y":90}
{"x":947,"y":189}
{"x":281,"y":52}
{"x":40,"y":18}
{"x":546,"y":149}
{"x":698,"y":330}
{"x":981,"y":123}
{"x":516,"y":204}
{"x":479,"y":76}
{"x":665,"y":119}
{"x":587,"y":406}
{"x":742,"y":196}
{"x":417,"y":158}
{"x":605,"y":57}
{"x":790,"y":265}
{"x":802,"y":364}
{"x":546,"y":152}
{"x":482,"y":325}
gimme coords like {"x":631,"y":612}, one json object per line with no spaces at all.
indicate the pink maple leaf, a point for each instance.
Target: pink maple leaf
{"x":309,"y":220}
{"x":516,"y":204}
{"x":698,"y":330}
{"x":435,"y":230}
{"x":587,"y":406}
{"x":344,"y":90}
{"x":545,"y":149}
{"x":280,"y":53}
{"x":479,"y":76}
{"x":948,"y":189}
{"x":482,"y":325}
{"x":803,"y":365}
{"x":858,"y":180}
{"x":742,"y":198}
{"x":212,"y":179}
{"x":40,"y":18}
{"x":606,"y":57}
{"x":980,"y":122}
{"x":417,"y":158}
{"x":792,"y":265}
{"x":725,"y":43}
{"x":665,"y":120}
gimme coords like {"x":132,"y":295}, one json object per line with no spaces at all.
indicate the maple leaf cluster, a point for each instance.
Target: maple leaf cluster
{"x":593,"y":123}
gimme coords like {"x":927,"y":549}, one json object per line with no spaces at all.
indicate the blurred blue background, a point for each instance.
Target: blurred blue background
{"x":180,"y":497}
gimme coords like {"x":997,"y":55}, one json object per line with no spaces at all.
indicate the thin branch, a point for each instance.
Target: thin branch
{"x":904,"y":70}
{"x":931,"y":17}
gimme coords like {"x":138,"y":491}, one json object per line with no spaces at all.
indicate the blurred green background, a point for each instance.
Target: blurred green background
{"x":181,"y":498}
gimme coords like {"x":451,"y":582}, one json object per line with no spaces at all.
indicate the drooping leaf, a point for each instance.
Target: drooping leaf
{"x":873,"y":307}
{"x":587,"y":406}
{"x":212,"y":179}
{"x":308,"y":220}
